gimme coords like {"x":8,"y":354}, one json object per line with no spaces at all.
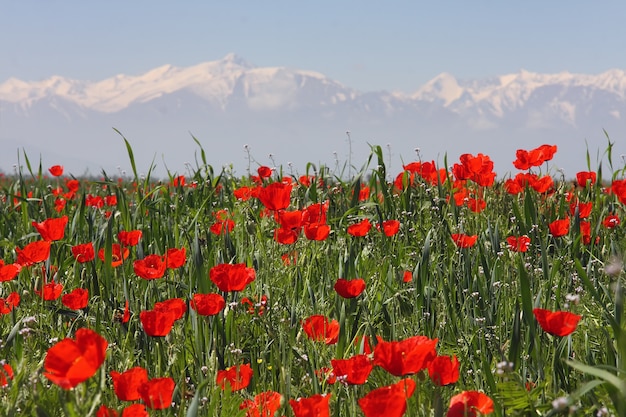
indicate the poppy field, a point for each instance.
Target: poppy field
{"x":441,"y":290}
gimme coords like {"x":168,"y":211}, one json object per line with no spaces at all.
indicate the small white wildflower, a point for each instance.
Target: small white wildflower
{"x":560,"y":404}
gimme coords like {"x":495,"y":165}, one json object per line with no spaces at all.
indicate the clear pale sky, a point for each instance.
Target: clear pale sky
{"x":367,"y":45}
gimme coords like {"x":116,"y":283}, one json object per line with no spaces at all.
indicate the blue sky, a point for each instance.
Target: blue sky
{"x":367,"y":45}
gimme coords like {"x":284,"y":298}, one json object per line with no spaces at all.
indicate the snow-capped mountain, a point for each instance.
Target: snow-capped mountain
{"x":302,"y":116}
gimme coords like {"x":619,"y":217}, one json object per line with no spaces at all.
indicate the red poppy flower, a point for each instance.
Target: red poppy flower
{"x":237,"y":377}
{"x":320,"y":329}
{"x":175,"y":258}
{"x":462,"y":240}
{"x":118,"y":254}
{"x":105,"y":411}
{"x":360,"y":229}
{"x":157,"y":392}
{"x":264,"y":172}
{"x":534,"y":158}
{"x":157,"y":323}
{"x":126,"y":314}
{"x":135,"y":410}
{"x":407,"y":276}
{"x":252,"y":306}
{"x":9,"y":272}
{"x":130,"y":238}
{"x":275,"y":196}
{"x":584,"y":177}
{"x":316,"y":231}
{"x":94,"y":201}
{"x":7,"y":305}
{"x":618,"y":187}
{"x":557,"y":323}
{"x":611,"y":221}
{"x":405,"y":357}
{"x":110,"y":200}
{"x":33,"y":253}
{"x":72,"y":361}
{"x":286,"y":236}
{"x":51,"y":229}
{"x":559,"y":227}
{"x":176,"y":306}
{"x":315,"y":213}
{"x":354,"y":370}
{"x":476,"y":205}
{"x":59,"y":204}
{"x":350,"y":288}
{"x":72,"y":185}
{"x":444,"y":370}
{"x":229,"y":277}
{"x":584,"y":209}
{"x":56,"y":170}
{"x":389,"y":401}
{"x":477,"y":168}
{"x":178,"y":181}
{"x":6,"y":373}
{"x":222,"y":226}
{"x":83,"y":252}
{"x":317,"y":405}
{"x":244,"y":193}
{"x":518,"y":243}
{"x":77,"y":299}
{"x":207,"y":304}
{"x":265,"y":404}
{"x":51,"y":291}
{"x":150,"y":267}
{"x":391,"y":227}
{"x":289,"y":258}
{"x":126,"y":384}
{"x":469,"y":404}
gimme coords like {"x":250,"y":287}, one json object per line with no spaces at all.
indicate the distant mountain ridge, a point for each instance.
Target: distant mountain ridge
{"x":238,"y":102}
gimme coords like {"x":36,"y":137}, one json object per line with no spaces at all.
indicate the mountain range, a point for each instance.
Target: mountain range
{"x":245,"y":116}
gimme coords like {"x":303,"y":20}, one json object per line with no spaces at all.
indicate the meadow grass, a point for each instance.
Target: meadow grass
{"x":476,"y":301}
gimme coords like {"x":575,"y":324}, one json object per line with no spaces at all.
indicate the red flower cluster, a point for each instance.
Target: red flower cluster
{"x":8,"y":304}
{"x":526,"y":179}
{"x":533,"y":158}
{"x":223,"y":223}
{"x":477,"y":168}
{"x":426,"y":170}
{"x":159,"y":321}
{"x":312,"y":219}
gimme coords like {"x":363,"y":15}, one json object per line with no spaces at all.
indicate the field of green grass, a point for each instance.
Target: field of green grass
{"x":442,"y":290}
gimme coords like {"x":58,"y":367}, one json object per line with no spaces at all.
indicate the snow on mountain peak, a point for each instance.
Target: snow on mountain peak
{"x":443,"y":87}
